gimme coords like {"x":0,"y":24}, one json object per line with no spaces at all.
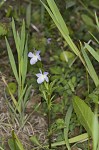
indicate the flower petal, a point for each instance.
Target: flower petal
{"x":46,"y":79}
{"x":46,"y":73}
{"x":40,"y":80}
{"x":38,"y":57}
{"x":33,"y":61}
{"x":38,"y":75}
{"x":30,"y":54}
{"x":38,"y":52}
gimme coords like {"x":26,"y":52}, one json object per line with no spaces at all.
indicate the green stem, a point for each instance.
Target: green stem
{"x":49,"y":120}
{"x":49,"y":134}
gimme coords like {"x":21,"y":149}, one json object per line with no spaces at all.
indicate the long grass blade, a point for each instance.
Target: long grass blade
{"x":94,"y":38}
{"x":90,"y":67}
{"x":18,"y":43}
{"x":58,"y":16}
{"x":15,"y":36}
{"x":62,"y":28}
{"x":27,"y":94}
{"x":97,"y":21}
{"x":12,"y":60}
{"x":22,"y":43}
{"x":21,"y":98}
{"x":24,"y":65}
{"x":1,"y":148}
{"x":95,"y":132}
{"x":92,"y":51}
{"x":75,"y":139}
{"x":53,"y":17}
{"x":28,"y":15}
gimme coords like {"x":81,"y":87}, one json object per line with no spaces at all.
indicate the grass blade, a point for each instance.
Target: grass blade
{"x":21,"y":97}
{"x":27,"y":94}
{"x":92,"y":51}
{"x":24,"y":65}
{"x":18,"y":42}
{"x":58,"y":16}
{"x":1,"y":148}
{"x":94,"y":37}
{"x":95,"y":132}
{"x":53,"y":17}
{"x":62,"y":28}
{"x":12,"y":61}
{"x":15,"y":36}
{"x":97,"y":22}
{"x":22,"y":43}
{"x":90,"y":67}
{"x":28,"y":15}
{"x":72,"y":140}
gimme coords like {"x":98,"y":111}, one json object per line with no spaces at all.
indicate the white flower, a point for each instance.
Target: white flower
{"x":42,"y":77}
{"x":34,"y":57}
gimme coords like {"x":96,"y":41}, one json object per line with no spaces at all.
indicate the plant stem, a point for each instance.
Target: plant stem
{"x":49,"y":134}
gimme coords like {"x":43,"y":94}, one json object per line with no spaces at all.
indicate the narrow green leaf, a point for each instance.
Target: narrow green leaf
{"x":95,"y":132}
{"x":84,"y":114}
{"x":13,"y":110}
{"x":53,"y":17}
{"x":72,"y":45}
{"x":58,"y":16}
{"x":1,"y":148}
{"x":2,"y":3}
{"x":66,"y":129}
{"x":92,"y":51}
{"x":90,"y":67}
{"x":21,"y":98}
{"x":94,"y":38}
{"x":75,"y":139}
{"x":22,"y":43}
{"x":62,"y":28}
{"x":12,"y":61}
{"x":24,"y":65}
{"x":18,"y":42}
{"x":62,"y":24}
{"x":15,"y":35}
{"x":19,"y":144}
{"x":97,"y":21}
{"x":21,"y":64}
{"x":28,"y":15}
{"x":27,"y":94}
{"x":79,"y":138}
